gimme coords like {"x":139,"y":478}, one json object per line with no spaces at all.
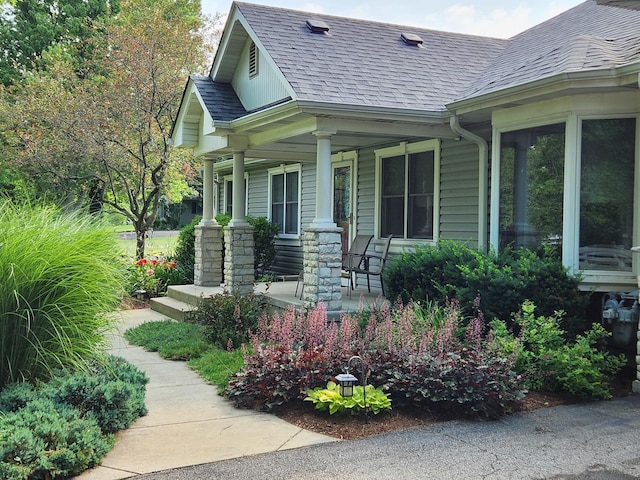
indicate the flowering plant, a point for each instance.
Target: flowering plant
{"x":152,"y":276}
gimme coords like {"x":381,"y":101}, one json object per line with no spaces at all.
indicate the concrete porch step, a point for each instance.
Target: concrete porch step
{"x":171,"y":307}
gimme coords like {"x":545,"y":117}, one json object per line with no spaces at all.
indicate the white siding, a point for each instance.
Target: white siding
{"x":263,"y":89}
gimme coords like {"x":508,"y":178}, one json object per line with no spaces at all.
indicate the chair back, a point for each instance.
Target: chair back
{"x":356,"y":251}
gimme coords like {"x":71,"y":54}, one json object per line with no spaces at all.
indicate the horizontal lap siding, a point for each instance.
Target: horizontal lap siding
{"x":459,"y":191}
{"x":366,"y":192}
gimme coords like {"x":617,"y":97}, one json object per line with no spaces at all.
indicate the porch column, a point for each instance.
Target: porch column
{"x":239,"y":274}
{"x":207,"y":270}
{"x":322,"y":247}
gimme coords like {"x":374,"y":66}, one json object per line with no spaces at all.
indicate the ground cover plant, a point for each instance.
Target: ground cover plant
{"x":420,"y":361}
{"x":60,"y":428}
{"x":186,"y":341}
{"x":61,"y":276}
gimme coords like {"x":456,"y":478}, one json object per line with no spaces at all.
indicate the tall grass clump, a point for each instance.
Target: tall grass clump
{"x":60,"y":276}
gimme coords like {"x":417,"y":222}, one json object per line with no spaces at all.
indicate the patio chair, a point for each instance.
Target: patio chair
{"x":355,"y":258}
{"x":373,"y":265}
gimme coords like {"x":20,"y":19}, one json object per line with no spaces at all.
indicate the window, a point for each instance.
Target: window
{"x":532,"y":186}
{"x":284,"y":193}
{"x":407,"y":188}
{"x":253,"y":60}
{"x":228,"y":194}
{"x":606,"y":194}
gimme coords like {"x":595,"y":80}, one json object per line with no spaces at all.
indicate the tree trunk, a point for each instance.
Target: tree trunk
{"x":141,"y":236}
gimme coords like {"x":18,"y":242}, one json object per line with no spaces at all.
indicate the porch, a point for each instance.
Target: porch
{"x":280,"y":295}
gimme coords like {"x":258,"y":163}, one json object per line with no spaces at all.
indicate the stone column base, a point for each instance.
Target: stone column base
{"x":207,"y":270}
{"x":239,"y":273}
{"x":322,"y":249}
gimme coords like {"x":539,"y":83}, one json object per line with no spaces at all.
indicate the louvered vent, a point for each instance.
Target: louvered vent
{"x":317,"y":26}
{"x":411,"y":39}
{"x":253,"y":60}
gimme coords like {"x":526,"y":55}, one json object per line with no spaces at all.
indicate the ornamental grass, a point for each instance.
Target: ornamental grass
{"x":61,"y":275}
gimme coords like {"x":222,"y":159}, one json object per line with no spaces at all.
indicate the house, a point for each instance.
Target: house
{"x":334,"y":126}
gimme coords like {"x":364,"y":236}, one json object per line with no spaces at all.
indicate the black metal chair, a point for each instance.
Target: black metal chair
{"x":355,"y":259}
{"x":373,"y":265}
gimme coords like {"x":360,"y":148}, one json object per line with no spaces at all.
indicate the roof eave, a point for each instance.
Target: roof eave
{"x":610,"y":77}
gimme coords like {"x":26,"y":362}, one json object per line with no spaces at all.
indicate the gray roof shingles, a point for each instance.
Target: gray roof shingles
{"x":220,"y":99}
{"x":366,"y":63}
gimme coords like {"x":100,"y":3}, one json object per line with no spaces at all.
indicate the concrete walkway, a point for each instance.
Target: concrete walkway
{"x":187,"y":423}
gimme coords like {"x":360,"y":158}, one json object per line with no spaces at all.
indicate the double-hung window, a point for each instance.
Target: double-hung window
{"x":228,"y":194}
{"x":284,"y":199}
{"x":408,"y":194}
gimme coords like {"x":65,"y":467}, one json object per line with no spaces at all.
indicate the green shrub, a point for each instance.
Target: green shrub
{"x":264,"y":239}
{"x":503,"y":282}
{"x":48,"y":440}
{"x":185,"y":253}
{"x":227,"y":318}
{"x":329,"y":399}
{"x":61,"y":277}
{"x":547,"y":361}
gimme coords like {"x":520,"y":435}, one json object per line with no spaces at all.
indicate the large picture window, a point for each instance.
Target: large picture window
{"x":606,"y":193}
{"x":284,"y":192}
{"x":532,"y":187}
{"x":407,"y":193}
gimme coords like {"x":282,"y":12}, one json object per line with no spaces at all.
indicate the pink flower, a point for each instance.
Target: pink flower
{"x":150,"y":272}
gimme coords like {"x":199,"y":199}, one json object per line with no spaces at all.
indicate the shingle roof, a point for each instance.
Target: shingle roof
{"x":588,"y":36}
{"x":220,"y":99}
{"x":366,"y":63}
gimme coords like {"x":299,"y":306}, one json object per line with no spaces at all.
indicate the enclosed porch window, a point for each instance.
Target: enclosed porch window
{"x":607,"y":172}
{"x":284,"y":194}
{"x":532,"y":187}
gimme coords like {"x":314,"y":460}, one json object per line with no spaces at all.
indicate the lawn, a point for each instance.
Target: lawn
{"x":154,"y":246}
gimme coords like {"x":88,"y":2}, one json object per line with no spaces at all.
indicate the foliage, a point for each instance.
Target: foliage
{"x":185,"y":253}
{"x":172,"y":340}
{"x":185,"y":341}
{"x":505,"y":281}
{"x":429,"y":360}
{"x":65,"y":426}
{"x":227,"y":318}
{"x":153,"y":276}
{"x":61,"y":276}
{"x":547,"y":361}
{"x":264,"y":240}
{"x":329,"y":398}
{"x":97,"y":133}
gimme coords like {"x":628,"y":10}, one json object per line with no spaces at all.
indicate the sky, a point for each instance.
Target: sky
{"x":492,"y":18}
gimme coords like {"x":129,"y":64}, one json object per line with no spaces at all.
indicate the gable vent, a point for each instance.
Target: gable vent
{"x":411,"y":39}
{"x":253,"y":60}
{"x":317,"y":26}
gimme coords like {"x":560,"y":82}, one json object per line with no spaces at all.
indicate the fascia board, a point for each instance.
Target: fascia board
{"x":556,"y":83}
{"x":367,"y":112}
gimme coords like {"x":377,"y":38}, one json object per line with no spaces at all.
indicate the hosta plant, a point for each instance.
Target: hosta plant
{"x":329,"y":398}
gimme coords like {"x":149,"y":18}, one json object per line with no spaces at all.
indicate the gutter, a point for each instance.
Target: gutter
{"x":483,"y":178}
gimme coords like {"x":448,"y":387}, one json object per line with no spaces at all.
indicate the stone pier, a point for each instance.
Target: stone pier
{"x":208,"y":256}
{"x":239,"y":274}
{"x":322,"y":267}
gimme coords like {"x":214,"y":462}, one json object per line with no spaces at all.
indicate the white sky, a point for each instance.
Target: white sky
{"x":493,"y":18}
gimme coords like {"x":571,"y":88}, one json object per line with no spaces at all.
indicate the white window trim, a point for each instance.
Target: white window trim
{"x":405,"y":148}
{"x":283,"y":169}
{"x":228,"y":179}
{"x":571,"y":111}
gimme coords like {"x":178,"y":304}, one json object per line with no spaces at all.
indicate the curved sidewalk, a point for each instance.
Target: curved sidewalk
{"x":188,"y":422}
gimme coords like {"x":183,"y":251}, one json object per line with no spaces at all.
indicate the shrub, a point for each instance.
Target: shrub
{"x":61,"y":276}
{"x":185,"y":253}
{"x":505,"y":281}
{"x":65,"y":426}
{"x":264,"y":239}
{"x":547,"y":361}
{"x":227,"y":318}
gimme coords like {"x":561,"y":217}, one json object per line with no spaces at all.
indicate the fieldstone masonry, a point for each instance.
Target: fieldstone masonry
{"x":208,"y":259}
{"x":322,"y":264}
{"x":239,"y":274}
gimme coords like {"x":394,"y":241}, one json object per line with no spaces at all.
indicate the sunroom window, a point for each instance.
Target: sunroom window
{"x":407,"y":193}
{"x":606,"y":193}
{"x":532,"y":187}
{"x":284,"y":192}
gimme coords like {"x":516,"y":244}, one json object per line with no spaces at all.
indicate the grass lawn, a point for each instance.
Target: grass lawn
{"x":154,"y":247}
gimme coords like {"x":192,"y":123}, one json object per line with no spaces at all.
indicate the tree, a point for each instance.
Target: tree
{"x":102,"y":137}
{"x":29,"y":27}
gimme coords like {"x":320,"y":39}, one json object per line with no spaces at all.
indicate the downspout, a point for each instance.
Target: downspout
{"x":483,"y":179}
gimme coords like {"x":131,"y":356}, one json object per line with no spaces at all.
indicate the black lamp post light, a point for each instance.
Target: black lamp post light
{"x":347,"y":381}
